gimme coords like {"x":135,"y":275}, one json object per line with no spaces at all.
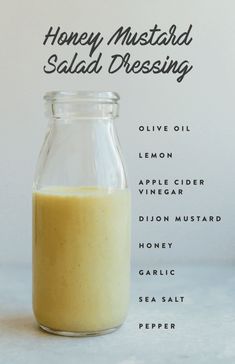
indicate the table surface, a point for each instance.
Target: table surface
{"x":204,"y":332}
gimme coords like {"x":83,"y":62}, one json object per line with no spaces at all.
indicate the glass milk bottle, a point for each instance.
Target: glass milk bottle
{"x":81,"y":218}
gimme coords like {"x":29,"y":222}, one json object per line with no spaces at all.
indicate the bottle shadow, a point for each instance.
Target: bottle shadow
{"x":20,"y":324}
{"x":26,"y":326}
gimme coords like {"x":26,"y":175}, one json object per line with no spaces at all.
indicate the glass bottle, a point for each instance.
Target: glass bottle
{"x":81,"y":218}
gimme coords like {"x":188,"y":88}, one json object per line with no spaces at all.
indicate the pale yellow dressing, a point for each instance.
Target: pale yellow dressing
{"x":81,"y":257}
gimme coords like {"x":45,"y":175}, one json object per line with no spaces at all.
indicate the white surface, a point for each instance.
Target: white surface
{"x":205,"y":323}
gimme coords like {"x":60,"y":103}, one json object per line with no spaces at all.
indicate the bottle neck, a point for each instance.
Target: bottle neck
{"x":86,"y":132}
{"x":69,"y":112}
{"x":81,"y":147}
{"x":83,"y":152}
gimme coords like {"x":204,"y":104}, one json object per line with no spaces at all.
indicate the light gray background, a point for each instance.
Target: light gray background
{"x":204,"y":100}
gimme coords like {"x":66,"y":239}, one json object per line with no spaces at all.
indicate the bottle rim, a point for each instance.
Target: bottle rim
{"x":82,"y":96}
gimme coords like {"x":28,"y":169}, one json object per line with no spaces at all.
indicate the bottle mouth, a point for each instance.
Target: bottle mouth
{"x":102,"y":97}
{"x":74,"y":105}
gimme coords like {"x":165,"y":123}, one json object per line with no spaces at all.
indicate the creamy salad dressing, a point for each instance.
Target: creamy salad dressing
{"x":81,"y":257}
